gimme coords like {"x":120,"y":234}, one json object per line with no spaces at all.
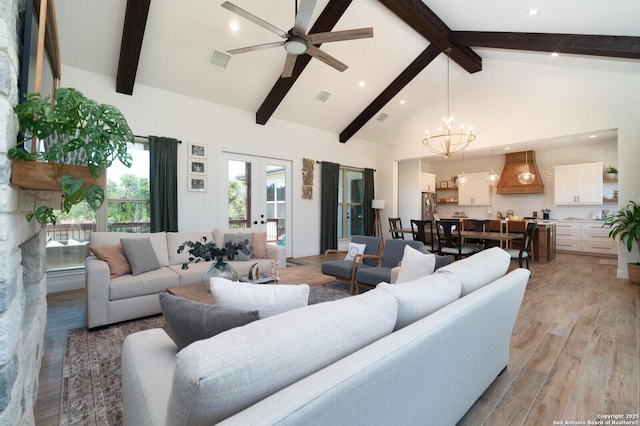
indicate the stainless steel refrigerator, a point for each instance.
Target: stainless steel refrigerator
{"x":428,"y":205}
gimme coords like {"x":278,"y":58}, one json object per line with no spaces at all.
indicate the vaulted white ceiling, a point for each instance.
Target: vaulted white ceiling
{"x":181,"y":35}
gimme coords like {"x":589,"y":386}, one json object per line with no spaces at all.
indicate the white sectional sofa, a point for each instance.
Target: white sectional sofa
{"x":378,"y":358}
{"x":111,"y":300}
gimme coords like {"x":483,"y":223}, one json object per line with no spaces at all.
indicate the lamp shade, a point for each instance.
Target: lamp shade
{"x":377,"y":204}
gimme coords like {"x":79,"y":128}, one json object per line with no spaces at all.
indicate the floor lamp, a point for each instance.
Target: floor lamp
{"x":377,"y":205}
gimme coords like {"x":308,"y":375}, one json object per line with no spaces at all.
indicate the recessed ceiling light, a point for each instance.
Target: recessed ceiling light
{"x":555,"y":54}
{"x":361,"y":84}
{"x":533,"y":11}
{"x":507,"y":148}
{"x":234,"y":26}
{"x":593,"y":136}
{"x":402,"y":102}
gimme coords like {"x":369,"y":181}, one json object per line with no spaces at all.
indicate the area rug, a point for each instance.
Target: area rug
{"x":91,"y":381}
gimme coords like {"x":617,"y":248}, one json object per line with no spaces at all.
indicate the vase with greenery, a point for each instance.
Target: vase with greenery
{"x":94,"y":135}
{"x":207,"y":250}
{"x":626,"y":224}
{"x":611,"y":172}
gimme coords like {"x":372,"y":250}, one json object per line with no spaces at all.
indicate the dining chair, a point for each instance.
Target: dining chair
{"x":396,"y":223}
{"x":419,"y":231}
{"x":525,"y":250}
{"x":477,"y":226}
{"x":450,"y":240}
{"x":518,"y":226}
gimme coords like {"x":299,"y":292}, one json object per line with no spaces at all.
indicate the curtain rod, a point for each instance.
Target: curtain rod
{"x":147,"y":138}
{"x":349,"y":167}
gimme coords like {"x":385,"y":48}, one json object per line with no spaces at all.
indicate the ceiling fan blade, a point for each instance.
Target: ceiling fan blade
{"x":303,"y":17}
{"x":246,"y":15}
{"x":327,"y":37}
{"x":254,"y":48}
{"x":289,"y":63}
{"x":326,"y":58}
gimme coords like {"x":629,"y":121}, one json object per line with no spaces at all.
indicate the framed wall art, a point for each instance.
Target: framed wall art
{"x":197,"y":184}
{"x":197,"y":150}
{"x":197,"y":167}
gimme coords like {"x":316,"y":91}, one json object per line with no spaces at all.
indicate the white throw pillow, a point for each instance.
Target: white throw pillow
{"x":267,"y":299}
{"x":415,"y":264}
{"x":354,"y":249}
{"x":419,"y":298}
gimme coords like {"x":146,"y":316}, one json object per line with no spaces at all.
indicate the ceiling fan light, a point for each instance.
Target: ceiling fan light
{"x":296,"y":46}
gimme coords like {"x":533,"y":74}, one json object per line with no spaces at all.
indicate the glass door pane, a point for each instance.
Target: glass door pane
{"x":239,"y":194}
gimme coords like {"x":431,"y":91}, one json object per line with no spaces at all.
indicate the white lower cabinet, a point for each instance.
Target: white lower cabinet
{"x":585,"y":237}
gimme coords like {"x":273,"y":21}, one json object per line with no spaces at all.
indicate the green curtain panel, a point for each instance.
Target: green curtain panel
{"x":329,"y":206}
{"x":163,"y":183}
{"x":369,"y":194}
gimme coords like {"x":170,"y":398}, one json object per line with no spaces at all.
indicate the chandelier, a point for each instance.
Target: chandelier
{"x":448,"y":141}
{"x":492,"y":178}
{"x":526,"y":177}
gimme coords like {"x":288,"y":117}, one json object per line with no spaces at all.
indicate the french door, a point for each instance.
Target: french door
{"x":256,"y":193}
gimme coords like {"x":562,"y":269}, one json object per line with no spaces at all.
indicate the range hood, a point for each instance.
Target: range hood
{"x":513,"y":166}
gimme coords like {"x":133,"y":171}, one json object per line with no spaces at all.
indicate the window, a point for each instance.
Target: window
{"x":350,"y":198}
{"x":127,"y":209}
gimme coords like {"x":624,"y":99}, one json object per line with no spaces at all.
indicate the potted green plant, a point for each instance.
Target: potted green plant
{"x":78,"y":131}
{"x":207,"y":251}
{"x":626,"y":224}
{"x":611,"y":172}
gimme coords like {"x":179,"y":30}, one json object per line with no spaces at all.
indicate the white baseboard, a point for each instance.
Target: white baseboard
{"x":58,"y":281}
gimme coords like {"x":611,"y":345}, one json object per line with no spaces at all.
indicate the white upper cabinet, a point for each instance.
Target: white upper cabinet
{"x":427,"y":182}
{"x":476,"y":192}
{"x":578,"y":183}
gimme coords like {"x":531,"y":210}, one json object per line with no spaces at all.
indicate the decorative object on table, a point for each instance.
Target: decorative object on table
{"x":526,"y":177}
{"x":626,"y":224}
{"x":76,"y":131}
{"x":254,"y":272}
{"x":611,"y":172}
{"x":545,"y":213}
{"x":307,"y":178}
{"x":274,"y":269}
{"x":448,"y":141}
{"x":207,"y":251}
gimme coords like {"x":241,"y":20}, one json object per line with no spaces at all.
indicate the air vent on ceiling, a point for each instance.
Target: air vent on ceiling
{"x":382,"y":117}
{"x":323,"y":96}
{"x":219,"y":59}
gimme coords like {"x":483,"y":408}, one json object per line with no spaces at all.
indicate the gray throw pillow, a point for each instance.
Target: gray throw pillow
{"x":241,"y":237}
{"x":140,"y":255}
{"x":189,"y":321}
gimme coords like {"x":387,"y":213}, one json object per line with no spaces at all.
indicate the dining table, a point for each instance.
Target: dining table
{"x":478,"y":235}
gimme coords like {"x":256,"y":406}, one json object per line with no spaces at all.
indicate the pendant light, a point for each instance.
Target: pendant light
{"x":493,"y":178}
{"x":526,"y":177}
{"x":462,"y":178}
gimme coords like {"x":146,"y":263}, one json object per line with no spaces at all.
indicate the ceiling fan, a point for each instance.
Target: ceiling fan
{"x":296,"y":41}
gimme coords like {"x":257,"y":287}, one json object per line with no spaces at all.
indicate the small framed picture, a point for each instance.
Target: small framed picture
{"x":197,"y":167}
{"x":444,"y":184}
{"x":197,"y":150}
{"x":197,"y":184}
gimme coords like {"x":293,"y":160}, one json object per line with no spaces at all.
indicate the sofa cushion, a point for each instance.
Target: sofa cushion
{"x":219,"y":233}
{"x":373,"y":276}
{"x":259,"y":244}
{"x":415,"y":264}
{"x":268,"y":299}
{"x":189,"y":321}
{"x":140,"y":255}
{"x":480,"y":269}
{"x":421,"y":297}
{"x":158,"y":241}
{"x":115,"y":258}
{"x":176,"y":239}
{"x":241,"y":237}
{"x":218,"y":377}
{"x":152,"y":282}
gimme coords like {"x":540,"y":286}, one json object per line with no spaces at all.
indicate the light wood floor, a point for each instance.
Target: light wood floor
{"x":574,"y":349}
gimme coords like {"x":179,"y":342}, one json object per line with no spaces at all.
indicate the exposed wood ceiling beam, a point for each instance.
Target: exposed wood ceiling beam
{"x":422,"y":19}
{"x":420,"y":63}
{"x":326,"y":21}
{"x":135,"y":21}
{"x":580,"y":44}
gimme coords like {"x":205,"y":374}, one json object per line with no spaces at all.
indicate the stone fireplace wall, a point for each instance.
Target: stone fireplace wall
{"x":23,"y":306}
